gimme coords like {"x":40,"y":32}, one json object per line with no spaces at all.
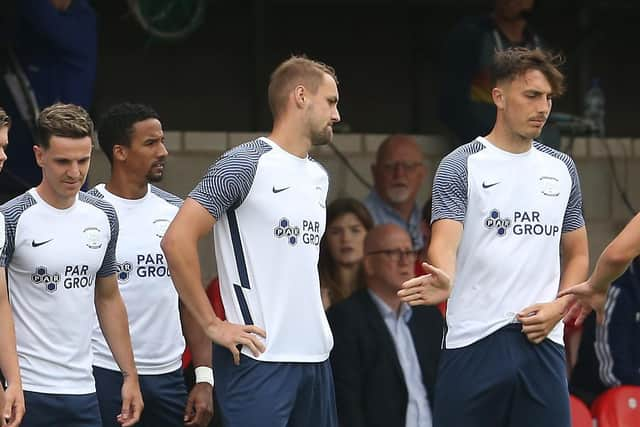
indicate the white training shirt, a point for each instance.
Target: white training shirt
{"x":514,"y":208}
{"x":269,"y":207}
{"x":145,"y":283}
{"x":53,"y":257}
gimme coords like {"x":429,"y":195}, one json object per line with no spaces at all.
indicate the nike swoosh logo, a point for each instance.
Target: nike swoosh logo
{"x":36,"y":244}
{"x":489,"y":185}
{"x":277,"y":190}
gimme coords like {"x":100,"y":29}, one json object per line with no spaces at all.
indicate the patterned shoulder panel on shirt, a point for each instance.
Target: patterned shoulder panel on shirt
{"x":449,"y":195}
{"x":573,"y":218}
{"x":565,"y":158}
{"x":12,"y":211}
{"x":229,"y":180}
{"x":3,"y":234}
{"x":170,"y":198}
{"x":109,"y":265}
{"x":95,"y":193}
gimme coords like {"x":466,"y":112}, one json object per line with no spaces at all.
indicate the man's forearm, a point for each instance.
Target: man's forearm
{"x":114,"y":322}
{"x":575,"y":262}
{"x":618,"y":254}
{"x":184,"y":264}
{"x":574,"y":270}
{"x":8,"y":355}
{"x":445,"y":260}
{"x":197,"y":340}
{"x":608,"y":268}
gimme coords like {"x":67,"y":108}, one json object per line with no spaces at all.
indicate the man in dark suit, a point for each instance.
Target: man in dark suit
{"x":385,"y":354}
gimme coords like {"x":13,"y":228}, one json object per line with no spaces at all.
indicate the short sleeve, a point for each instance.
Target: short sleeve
{"x":573,"y":218}
{"x":228,"y":181}
{"x":450,"y":194}
{"x":109,"y":265}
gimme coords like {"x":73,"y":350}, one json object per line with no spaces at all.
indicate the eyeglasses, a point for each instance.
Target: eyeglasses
{"x":403,"y":166}
{"x":396,"y":254}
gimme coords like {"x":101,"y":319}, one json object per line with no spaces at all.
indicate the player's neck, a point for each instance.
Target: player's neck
{"x":53,"y":199}
{"x":508,"y":141}
{"x":126,"y":186}
{"x":290,"y":139}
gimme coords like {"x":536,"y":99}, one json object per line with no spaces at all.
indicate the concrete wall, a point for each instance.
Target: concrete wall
{"x":193,"y":152}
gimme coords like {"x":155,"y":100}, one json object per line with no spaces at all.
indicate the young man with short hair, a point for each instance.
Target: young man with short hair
{"x":266,"y":199}
{"x":61,"y":269}
{"x":132,"y":138}
{"x":504,"y":208}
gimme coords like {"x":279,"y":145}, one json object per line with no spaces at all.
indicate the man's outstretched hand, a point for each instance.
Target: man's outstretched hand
{"x":429,"y":289}
{"x":588,"y":297}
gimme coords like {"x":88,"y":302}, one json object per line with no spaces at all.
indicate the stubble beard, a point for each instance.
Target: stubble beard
{"x":323,"y":137}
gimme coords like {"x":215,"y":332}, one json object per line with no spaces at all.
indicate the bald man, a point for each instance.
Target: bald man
{"x":386,"y":353}
{"x":398,"y":173}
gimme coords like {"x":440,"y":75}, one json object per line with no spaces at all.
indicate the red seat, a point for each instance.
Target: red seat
{"x":618,"y":407}
{"x":580,"y":415}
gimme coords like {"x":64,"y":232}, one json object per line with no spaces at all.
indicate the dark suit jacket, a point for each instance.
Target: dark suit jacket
{"x":370,"y":387}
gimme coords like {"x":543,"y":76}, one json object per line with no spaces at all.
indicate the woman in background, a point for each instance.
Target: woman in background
{"x":342,"y":249}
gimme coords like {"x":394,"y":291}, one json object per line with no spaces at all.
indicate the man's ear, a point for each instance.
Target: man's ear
{"x":38,"y":152}
{"x":300,"y":96}
{"x":498,"y":97}
{"x":119,"y":152}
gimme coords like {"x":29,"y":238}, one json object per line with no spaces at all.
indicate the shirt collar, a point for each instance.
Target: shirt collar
{"x":405,"y":310}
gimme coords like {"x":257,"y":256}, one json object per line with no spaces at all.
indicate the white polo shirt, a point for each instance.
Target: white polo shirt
{"x":145,"y":283}
{"x":53,"y":257}
{"x":269,"y":207}
{"x":514,"y":209}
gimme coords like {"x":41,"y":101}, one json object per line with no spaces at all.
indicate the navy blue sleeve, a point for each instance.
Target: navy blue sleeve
{"x":615,"y":340}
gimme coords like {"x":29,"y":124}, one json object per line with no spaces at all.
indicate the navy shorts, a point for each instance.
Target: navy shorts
{"x":503,"y":380}
{"x":274,"y":394}
{"x":165,"y":398}
{"x":61,"y":410}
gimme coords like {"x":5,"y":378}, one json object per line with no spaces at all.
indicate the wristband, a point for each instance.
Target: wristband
{"x":204,"y":374}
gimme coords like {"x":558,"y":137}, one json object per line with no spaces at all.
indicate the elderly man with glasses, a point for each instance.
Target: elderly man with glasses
{"x":385,"y":353}
{"x":398,"y":172}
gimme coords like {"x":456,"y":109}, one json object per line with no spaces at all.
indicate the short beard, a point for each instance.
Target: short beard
{"x":322,"y":138}
{"x":398,"y":195}
{"x":154,"y":178}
